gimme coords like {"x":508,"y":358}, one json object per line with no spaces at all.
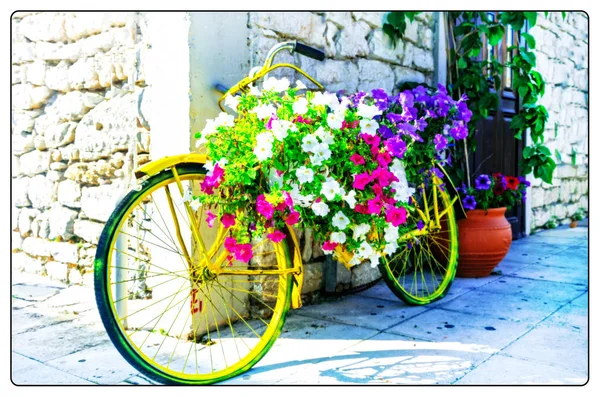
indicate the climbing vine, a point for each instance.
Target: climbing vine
{"x":482,"y":79}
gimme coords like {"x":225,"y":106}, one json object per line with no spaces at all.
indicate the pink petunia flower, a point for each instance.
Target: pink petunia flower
{"x":210,"y":218}
{"x":243,"y":252}
{"x":293,"y":218}
{"x":372,"y":140}
{"x":357,"y":159}
{"x":377,"y":189}
{"x":374,"y":206}
{"x":383,"y":159}
{"x":361,"y":180}
{"x":230,"y":244}
{"x":276,"y":236}
{"x":329,"y":245}
{"x":361,"y":208}
{"x":228,"y":220}
{"x":395,"y":216}
{"x":263,"y":207}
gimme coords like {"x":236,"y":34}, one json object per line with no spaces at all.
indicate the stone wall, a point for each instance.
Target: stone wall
{"x":78,"y":129}
{"x":562,"y":59}
{"x":358,"y":57}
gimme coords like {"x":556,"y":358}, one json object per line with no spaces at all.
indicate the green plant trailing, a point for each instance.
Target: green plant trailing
{"x":480,"y":79}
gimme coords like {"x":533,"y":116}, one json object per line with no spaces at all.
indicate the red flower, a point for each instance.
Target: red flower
{"x":498,"y":189}
{"x":512,"y":183}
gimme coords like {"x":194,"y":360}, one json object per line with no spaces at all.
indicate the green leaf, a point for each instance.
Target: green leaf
{"x":557,"y":154}
{"x":531,"y":18}
{"x":527,"y":152}
{"x":564,"y":15}
{"x":528,"y":56}
{"x":555,"y":130}
{"x":495,"y":34}
{"x":523,"y":91}
{"x":544,"y":150}
{"x":573,"y":156}
{"x":529,"y":39}
{"x":518,"y":122}
{"x":462,"y":63}
{"x":474,"y":52}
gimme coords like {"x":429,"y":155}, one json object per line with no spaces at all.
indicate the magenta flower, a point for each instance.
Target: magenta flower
{"x":293,"y":218}
{"x":361,"y":180}
{"x":372,"y":140}
{"x":213,"y":181}
{"x":276,"y":236}
{"x":329,"y":245}
{"x":384,"y":176}
{"x":374,"y":206}
{"x":269,"y":124}
{"x":357,"y":159}
{"x":263,"y":207}
{"x":289,"y":202}
{"x":377,"y":189}
{"x":383,"y":159}
{"x":210,"y":218}
{"x":395,"y":216}
{"x":230,"y":244}
{"x":228,"y":220}
{"x":361,"y":209}
{"x":243,"y":252}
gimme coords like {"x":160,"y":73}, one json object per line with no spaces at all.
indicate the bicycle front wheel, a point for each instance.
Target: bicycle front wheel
{"x":423,"y":268}
{"x":170,"y":316}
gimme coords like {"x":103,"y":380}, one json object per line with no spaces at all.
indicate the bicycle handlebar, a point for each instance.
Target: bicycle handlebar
{"x":309,"y":51}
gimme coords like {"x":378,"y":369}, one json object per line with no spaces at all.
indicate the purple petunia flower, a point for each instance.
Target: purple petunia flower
{"x":440,"y":142}
{"x":394,"y":118}
{"x":462,"y":189}
{"x":524,"y":181}
{"x":459,"y":130}
{"x":420,"y":94}
{"x":396,"y":146}
{"x":435,"y":171}
{"x":464,"y":113}
{"x":385,"y":131}
{"x":420,"y":225}
{"x":469,"y":202}
{"x":430,"y":113}
{"x":381,"y":98}
{"x":410,"y":130}
{"x":406,"y":99}
{"x":421,"y":124}
{"x":483,"y":182}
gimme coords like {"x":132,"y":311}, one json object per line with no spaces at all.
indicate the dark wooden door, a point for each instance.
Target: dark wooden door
{"x":497,"y":149}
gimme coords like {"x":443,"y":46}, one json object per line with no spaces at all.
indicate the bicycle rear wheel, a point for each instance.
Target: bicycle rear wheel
{"x":423,"y":268}
{"x":174,"y":324}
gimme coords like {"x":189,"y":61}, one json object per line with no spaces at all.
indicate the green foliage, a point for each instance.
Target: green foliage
{"x":552,"y":223}
{"x":579,"y":214}
{"x":395,"y":24}
{"x":538,"y":159}
{"x":573,"y":156}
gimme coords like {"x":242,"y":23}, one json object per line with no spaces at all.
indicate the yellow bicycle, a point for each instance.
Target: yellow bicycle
{"x":181,"y":313}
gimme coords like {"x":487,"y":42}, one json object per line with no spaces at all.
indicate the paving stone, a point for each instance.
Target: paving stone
{"x":363,"y":312}
{"x":567,"y":259}
{"x":102,"y":364}
{"x":387,"y":359}
{"x":30,"y":319}
{"x":582,"y":301}
{"x":524,"y":252}
{"x":502,"y":370}
{"x":573,"y":275}
{"x":570,"y":317}
{"x":535,"y":289}
{"x":447,"y":326}
{"x":39,"y":374}
{"x":508,"y":266}
{"x":507,"y":306}
{"x":138,"y":380}
{"x":559,"y":240}
{"x":34,"y":292}
{"x":303,"y":342}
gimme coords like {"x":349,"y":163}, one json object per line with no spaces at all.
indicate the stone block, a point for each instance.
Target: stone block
{"x":375,"y":19}
{"x":69,"y":193}
{"x":36,"y":73}
{"x":22,"y":143}
{"x":57,"y":77}
{"x":60,"y":135}
{"x":20,"y":186}
{"x":75,"y":277}
{"x":403,"y":74}
{"x":98,"y":202}
{"x":56,"y":270}
{"x":313,"y":277}
{"x":331,"y":35}
{"x":45,"y":26}
{"x":35,"y":162}
{"x":39,"y":142}
{"x":337,"y":75}
{"x":93,"y":45}
{"x":352,"y":41}
{"x":58,"y":51}
{"x":340,"y":19}
{"x":26,"y":216}
{"x":83,"y":74}
{"x":305,"y":26}
{"x":22,"y":52}
{"x":24,"y":120}
{"x":408,"y":54}
{"x":64,"y":252}
{"x":88,"y":230}
{"x":23,"y":262}
{"x":581,"y":79}
{"x":18,"y":74}
{"x":364,"y":274}
{"x":62,"y":221}
{"x":83,"y":24}
{"x":375,"y":74}
{"x":69,"y":153}
{"x":15,"y":166}
{"x":412,"y":32}
{"x":16,"y":241}
{"x":36,"y":246}
{"x":381,"y":48}
{"x":68,"y":107}
{"x":423,"y":59}
{"x":425,"y":38}
{"x":28,"y":96}
{"x":42,"y":192}
{"x":14,"y":218}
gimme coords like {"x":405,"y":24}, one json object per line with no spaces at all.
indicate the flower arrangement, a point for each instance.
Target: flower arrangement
{"x":494,"y":191}
{"x":341,"y":165}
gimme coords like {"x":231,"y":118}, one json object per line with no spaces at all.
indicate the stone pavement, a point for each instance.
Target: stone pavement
{"x":525,"y":324}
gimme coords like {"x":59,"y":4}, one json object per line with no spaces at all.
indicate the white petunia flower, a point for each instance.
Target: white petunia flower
{"x":368,"y":126}
{"x":355,"y":260}
{"x":338,"y":237}
{"x":320,"y":208}
{"x":360,"y":231}
{"x":365,"y":250}
{"x":254,"y":90}
{"x":340,"y":220}
{"x":374,"y":258}
{"x":264,"y":137}
{"x":195,"y":204}
{"x":231,"y":102}
{"x":325,"y":99}
{"x":298,"y":198}
{"x":264,"y":111}
{"x":391,"y":233}
{"x":350,"y":198}
{"x":300,"y":106}
{"x":367,"y":111}
{"x":305,"y":174}
{"x":315,"y":159}
{"x":330,"y":188}
{"x":280,"y":128}
{"x":187,"y":195}
{"x":322,"y":150}
{"x":263,"y":151}
{"x":403,"y":192}
{"x":390,"y":248}
{"x":324,"y":136}
{"x":309,"y":142}
{"x":335,"y":120}
{"x":300,"y":85}
{"x":224,"y":120}
{"x":275,"y":84}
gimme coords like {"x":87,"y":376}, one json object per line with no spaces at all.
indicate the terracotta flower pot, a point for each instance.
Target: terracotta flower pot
{"x":484,"y":239}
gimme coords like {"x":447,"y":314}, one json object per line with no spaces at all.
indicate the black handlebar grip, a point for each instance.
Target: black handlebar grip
{"x":310,"y":52}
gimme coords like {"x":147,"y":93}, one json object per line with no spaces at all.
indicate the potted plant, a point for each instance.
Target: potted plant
{"x":485,"y":235}
{"x":577,"y":216}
